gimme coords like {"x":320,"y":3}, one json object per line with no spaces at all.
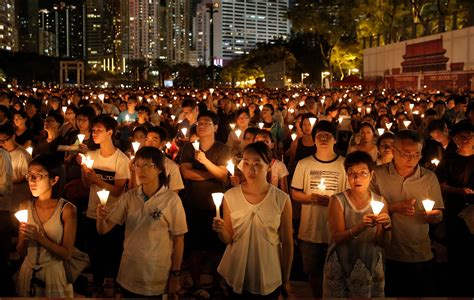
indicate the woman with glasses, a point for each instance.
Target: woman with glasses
{"x":155,"y":225}
{"x":257,"y":231}
{"x":47,"y":238}
{"x":354,"y":263}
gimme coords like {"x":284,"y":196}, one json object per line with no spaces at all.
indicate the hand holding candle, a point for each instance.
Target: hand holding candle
{"x":89,"y":162}
{"x":376,"y":206}
{"x":217,"y":198}
{"x":81,"y":137}
{"x":196,"y":145}
{"x":231,"y":167}
{"x":103,"y":196}
{"x":428,"y":205}
{"x":22,"y":215}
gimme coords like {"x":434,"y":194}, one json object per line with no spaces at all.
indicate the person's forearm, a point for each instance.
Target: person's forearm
{"x":216,"y":171}
{"x":178,"y":249}
{"x":104,"y":226}
{"x":195,"y":175}
{"x":301,"y":197}
{"x":225,"y":237}
{"x":56,"y":249}
{"x":287,"y":259}
{"x":22,"y":246}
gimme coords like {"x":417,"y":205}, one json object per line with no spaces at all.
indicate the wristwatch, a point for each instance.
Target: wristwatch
{"x":175,"y":273}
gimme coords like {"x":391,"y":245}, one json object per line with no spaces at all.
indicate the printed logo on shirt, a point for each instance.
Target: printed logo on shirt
{"x":157,"y":214}
{"x":107,"y":176}
{"x":330,"y":180}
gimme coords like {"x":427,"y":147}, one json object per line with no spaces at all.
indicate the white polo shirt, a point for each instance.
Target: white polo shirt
{"x":149,"y":229}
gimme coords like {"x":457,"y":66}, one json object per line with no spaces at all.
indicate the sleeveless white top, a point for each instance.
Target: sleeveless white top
{"x":252,"y":261}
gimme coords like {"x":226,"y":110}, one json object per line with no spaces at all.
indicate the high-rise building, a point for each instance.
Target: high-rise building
{"x":94,"y":33}
{"x":8,"y":32}
{"x":178,"y":37}
{"x":145,"y":30}
{"x":60,"y":31}
{"x":238,"y":27}
{"x":27,"y":20}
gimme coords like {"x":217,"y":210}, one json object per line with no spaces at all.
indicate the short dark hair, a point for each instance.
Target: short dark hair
{"x":86,"y":111}
{"x":387,"y":135}
{"x":265,"y":133}
{"x":158,"y":158}
{"x":162,"y":133}
{"x":54,"y":167}
{"x":261,"y":149}
{"x":240,"y":111}
{"x":251,"y":130}
{"x":367,"y":124}
{"x":437,"y":125}
{"x":56,"y":116}
{"x":189,"y":103}
{"x":108,"y":122}
{"x":408,"y":134}
{"x":143,"y":108}
{"x":324,"y":125}
{"x":140,"y":128}
{"x":7,"y":129}
{"x":359,"y":157}
{"x":270,"y":107}
{"x":209,"y":114}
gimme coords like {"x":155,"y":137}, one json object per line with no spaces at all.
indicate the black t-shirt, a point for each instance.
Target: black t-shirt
{"x":198,"y":193}
{"x":51,"y":148}
{"x":24,"y":137}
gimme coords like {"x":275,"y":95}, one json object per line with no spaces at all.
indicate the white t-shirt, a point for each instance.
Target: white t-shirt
{"x":148,"y":245}
{"x":20,"y":161}
{"x":308,"y":174}
{"x":6,"y":182}
{"x":252,"y":261}
{"x":108,"y":169}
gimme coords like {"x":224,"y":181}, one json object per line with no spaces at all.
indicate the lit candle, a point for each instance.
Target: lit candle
{"x":312,"y":121}
{"x":81,"y":137}
{"x":340,"y":120}
{"x":293,"y":136}
{"x":34,"y":90}
{"x":101,"y":97}
{"x":30,"y":150}
{"x":435,"y":161}
{"x":260,"y":125}
{"x":232,"y":126}
{"x":159,"y":112}
{"x":428,"y":204}
{"x":411,"y":106}
{"x":196,"y":145}
{"x":290,"y":127}
{"x":127,"y":118}
{"x":231,"y":167}
{"x":376,"y":206}
{"x":389,"y":125}
{"x":380,"y":130}
{"x":291,"y":110}
{"x":321,"y":185}
{"x":238,"y":132}
{"x":173,"y":117}
{"x":406,"y":123}
{"x":89,"y":162}
{"x":301,"y":103}
{"x":135,"y":146}
{"x":64,"y":109}
{"x":359,"y":109}
{"x":168,"y":145}
{"x":22,"y":215}
{"x":368,"y":110}
{"x":184,"y":130}
{"x":211,"y":90}
{"x":217,"y":198}
{"x":103,"y":196}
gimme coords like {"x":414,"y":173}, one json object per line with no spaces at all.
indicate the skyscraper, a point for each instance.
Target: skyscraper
{"x":239,"y":26}
{"x":178,"y":30}
{"x":8,"y":32}
{"x":27,"y":20}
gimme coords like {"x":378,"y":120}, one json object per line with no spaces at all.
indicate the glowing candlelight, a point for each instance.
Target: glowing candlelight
{"x":81,"y":137}
{"x":168,"y":145}
{"x":389,"y":125}
{"x":135,"y":146}
{"x":290,"y":127}
{"x":411,"y":106}
{"x":127,"y":118}
{"x":376,"y":206}
{"x":34,"y":90}
{"x":30,"y":150}
{"x":321,"y":185}
{"x":89,"y":162}
{"x":102,"y":97}
{"x":173,"y":117}
{"x":381,"y":131}
{"x":340,"y":120}
{"x":435,"y":161}
{"x":428,"y":204}
{"x":238,"y":132}
{"x":312,"y":121}
{"x":217,"y":198}
{"x":301,"y":103}
{"x":64,"y":109}
{"x":232,"y":126}
{"x":359,"y":109}
{"x":211,"y":90}
{"x":260,"y":125}
{"x":406,"y":123}
{"x":196,"y":145}
{"x":230,"y":167}
{"x":184,"y":130}
{"x":22,"y":215}
{"x":159,"y":112}
{"x":291,"y":110}
{"x":293,"y":136}
{"x":368,"y":110}
{"x":103,"y":196}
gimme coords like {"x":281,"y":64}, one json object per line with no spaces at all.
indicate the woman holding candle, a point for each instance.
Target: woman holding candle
{"x":366,"y":144}
{"x":236,"y":136}
{"x":23,"y":134}
{"x":155,"y":225}
{"x":257,"y":231}
{"x":303,"y":146}
{"x":354,"y":264}
{"x":47,"y":239}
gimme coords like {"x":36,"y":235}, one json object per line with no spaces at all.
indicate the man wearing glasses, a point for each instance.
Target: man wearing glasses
{"x":404,"y":184}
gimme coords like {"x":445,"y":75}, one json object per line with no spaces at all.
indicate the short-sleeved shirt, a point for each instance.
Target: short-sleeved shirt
{"x":198,"y":193}
{"x":109,"y":169}
{"x":410,"y":240}
{"x":149,"y":229}
{"x":131,"y":117}
{"x":308,"y":174}
{"x":172,"y":171}
{"x":20,"y":161}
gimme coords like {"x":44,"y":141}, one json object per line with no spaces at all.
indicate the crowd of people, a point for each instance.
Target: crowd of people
{"x":365,"y":193}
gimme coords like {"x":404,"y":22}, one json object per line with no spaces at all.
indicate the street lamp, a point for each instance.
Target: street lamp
{"x":353,"y":71}
{"x":324,"y":74}
{"x":211,"y":9}
{"x":303,"y":76}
